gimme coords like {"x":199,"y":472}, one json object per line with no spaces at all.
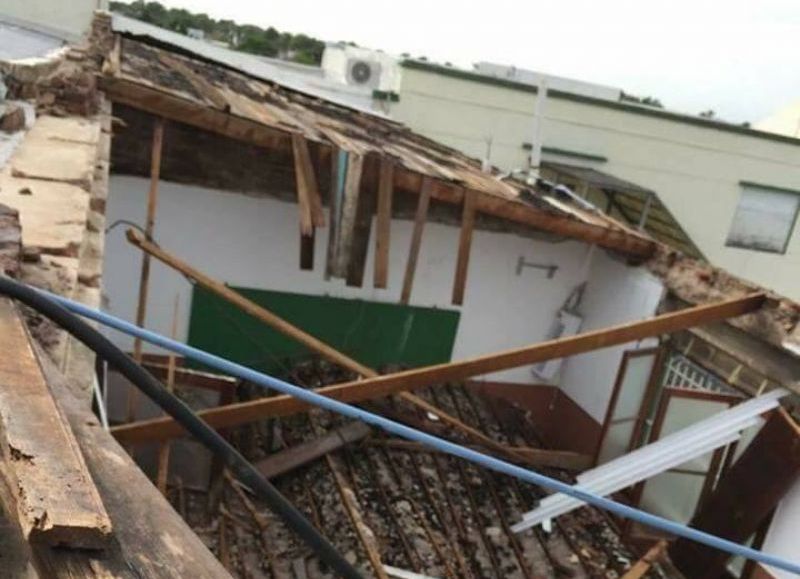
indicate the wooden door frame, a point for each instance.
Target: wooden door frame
{"x":667,"y":393}
{"x":651,"y":390}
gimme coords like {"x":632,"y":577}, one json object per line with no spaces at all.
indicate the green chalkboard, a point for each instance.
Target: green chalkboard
{"x":372,"y":333}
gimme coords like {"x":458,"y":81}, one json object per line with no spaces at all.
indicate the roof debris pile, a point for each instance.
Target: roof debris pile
{"x":426,"y":512}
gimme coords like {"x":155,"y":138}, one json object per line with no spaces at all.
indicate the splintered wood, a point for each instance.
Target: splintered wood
{"x":47,"y":485}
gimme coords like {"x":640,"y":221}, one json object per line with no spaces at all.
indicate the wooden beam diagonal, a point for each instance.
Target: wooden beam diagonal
{"x":309,"y":341}
{"x":380,"y":386}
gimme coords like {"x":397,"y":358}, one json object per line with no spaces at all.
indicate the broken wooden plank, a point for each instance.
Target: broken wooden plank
{"x":193,"y":378}
{"x":536,"y":457}
{"x":207,"y":91}
{"x":144,"y":274}
{"x":416,"y":239}
{"x":338,"y":171}
{"x":307,"y":250}
{"x":291,"y":458}
{"x":308,"y":198}
{"x":296,"y":333}
{"x":745,"y":495}
{"x":366,"y":536}
{"x":220,"y":289}
{"x":112,"y":61}
{"x":307,"y":179}
{"x":464,"y":246}
{"x":362,"y":229}
{"x":347,"y":221}
{"x":150,"y":539}
{"x":383,"y":224}
{"x":642,"y":566}
{"x":389,"y":384}
{"x":54,"y":497}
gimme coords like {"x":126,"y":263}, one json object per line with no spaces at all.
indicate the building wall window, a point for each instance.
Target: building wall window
{"x":764,"y":219}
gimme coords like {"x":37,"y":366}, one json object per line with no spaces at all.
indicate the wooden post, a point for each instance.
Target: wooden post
{"x":416,"y":239}
{"x":144,"y":276}
{"x":162,"y":476}
{"x":464,"y":245}
{"x":386,"y":385}
{"x":383,"y":224}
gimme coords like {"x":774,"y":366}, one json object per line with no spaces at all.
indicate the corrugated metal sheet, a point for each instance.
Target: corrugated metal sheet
{"x":662,"y":455}
{"x":628,"y":201}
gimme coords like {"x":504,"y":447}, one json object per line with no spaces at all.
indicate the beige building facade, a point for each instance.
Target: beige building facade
{"x":733,"y":189}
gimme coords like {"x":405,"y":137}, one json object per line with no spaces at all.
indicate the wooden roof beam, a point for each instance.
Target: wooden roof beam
{"x":380,"y":386}
{"x":157,"y":102}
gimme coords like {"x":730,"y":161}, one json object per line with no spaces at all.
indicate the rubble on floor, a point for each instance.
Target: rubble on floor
{"x":429,"y":513}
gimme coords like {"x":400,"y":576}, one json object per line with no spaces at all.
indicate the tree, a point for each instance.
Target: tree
{"x":247,"y":38}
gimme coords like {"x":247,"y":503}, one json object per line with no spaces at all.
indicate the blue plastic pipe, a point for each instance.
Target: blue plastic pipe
{"x":311,"y":397}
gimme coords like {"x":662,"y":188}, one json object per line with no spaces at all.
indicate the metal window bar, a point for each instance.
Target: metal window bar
{"x":681,"y":372}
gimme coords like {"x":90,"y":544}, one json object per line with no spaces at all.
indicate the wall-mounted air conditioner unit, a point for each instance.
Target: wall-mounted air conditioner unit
{"x":362,"y":72}
{"x":566,"y":324}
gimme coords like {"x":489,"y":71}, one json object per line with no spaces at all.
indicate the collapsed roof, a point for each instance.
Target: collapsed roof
{"x":213,"y":97}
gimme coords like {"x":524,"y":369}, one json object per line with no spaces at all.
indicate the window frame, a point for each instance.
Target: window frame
{"x":744,"y":186}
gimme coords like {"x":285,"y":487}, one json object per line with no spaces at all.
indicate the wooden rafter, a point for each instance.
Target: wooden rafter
{"x":464,"y":246}
{"x":383,"y":224}
{"x":349,"y":214}
{"x":157,"y":102}
{"x":308,"y":197}
{"x":386,"y":385}
{"x":416,"y":240}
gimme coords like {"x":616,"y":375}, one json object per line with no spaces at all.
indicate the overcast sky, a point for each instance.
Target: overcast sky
{"x":737,"y":57}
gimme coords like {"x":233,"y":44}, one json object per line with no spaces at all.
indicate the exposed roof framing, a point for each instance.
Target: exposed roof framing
{"x":217,"y":99}
{"x":695,"y":282}
{"x":634,"y":204}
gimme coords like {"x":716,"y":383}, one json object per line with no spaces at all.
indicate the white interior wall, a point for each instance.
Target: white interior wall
{"x":782,"y":536}
{"x":254,"y":242}
{"x":615,"y":293}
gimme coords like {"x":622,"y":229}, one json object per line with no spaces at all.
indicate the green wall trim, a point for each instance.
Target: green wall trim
{"x":769,"y":187}
{"x":568,"y":153}
{"x":373,"y":333}
{"x":616,"y":105}
{"x":385,"y":95}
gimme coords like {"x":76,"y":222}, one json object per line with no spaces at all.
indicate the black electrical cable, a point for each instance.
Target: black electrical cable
{"x":153,"y":389}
